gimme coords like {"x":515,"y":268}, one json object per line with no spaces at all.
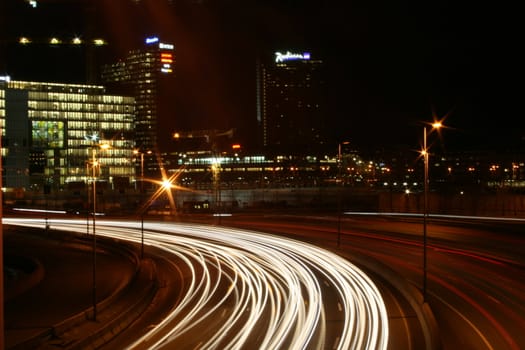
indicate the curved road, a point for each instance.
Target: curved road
{"x":475,"y":288}
{"x":245,"y":288}
{"x":476,"y":268}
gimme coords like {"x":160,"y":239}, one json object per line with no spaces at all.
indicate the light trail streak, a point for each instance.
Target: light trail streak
{"x":254,"y":290}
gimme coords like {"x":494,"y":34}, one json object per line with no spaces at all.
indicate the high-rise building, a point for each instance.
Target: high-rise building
{"x":291,"y":93}
{"x":50,"y":131}
{"x":145,"y":74}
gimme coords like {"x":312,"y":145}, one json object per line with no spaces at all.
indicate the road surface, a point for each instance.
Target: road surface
{"x":245,"y":289}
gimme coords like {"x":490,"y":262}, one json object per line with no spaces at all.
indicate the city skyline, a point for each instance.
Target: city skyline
{"x":390,"y":68}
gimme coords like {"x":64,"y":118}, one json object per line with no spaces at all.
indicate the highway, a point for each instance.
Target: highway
{"x":476,"y":283}
{"x":476,"y":268}
{"x":244,"y":290}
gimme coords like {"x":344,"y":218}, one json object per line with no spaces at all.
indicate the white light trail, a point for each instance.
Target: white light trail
{"x":254,"y":290}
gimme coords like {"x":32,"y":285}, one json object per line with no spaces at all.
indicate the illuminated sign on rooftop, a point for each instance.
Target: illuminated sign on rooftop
{"x":155,"y":39}
{"x":166,"y":46}
{"x":152,"y":39}
{"x":289,"y":56}
{"x":166,"y":59}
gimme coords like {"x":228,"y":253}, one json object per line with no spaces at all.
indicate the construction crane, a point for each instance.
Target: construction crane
{"x":208,"y":135}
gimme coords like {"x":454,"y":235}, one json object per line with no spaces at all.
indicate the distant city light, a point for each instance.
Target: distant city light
{"x":58,"y":41}
{"x":24,"y":41}
{"x":32,"y":3}
{"x":99,"y":42}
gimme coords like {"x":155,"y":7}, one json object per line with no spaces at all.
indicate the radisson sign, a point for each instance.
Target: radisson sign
{"x":290,"y":56}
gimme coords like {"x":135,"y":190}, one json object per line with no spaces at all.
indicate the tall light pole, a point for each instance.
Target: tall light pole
{"x":2,"y":334}
{"x":425,"y":153}
{"x":339,"y":179}
{"x":94,"y":164}
{"x":141,"y":201}
{"x":87,"y":194}
{"x":216,"y":169}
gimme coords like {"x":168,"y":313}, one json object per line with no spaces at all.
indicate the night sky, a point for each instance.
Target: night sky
{"x":391,"y":65}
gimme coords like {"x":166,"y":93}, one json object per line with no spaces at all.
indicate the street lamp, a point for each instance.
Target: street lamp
{"x":94,"y":164}
{"x":141,"y":200}
{"x":339,"y":179}
{"x":216,"y":168}
{"x":2,"y":323}
{"x":425,"y":153}
{"x":166,"y":186}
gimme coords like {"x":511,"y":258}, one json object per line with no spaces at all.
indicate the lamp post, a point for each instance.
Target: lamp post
{"x":2,"y":323}
{"x":166,"y":186}
{"x":425,"y":153}
{"x":94,"y":164}
{"x":339,"y":179}
{"x":88,"y":195}
{"x":47,"y":190}
{"x":216,"y":168}
{"x":141,"y":200}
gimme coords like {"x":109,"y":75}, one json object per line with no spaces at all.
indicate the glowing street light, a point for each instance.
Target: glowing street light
{"x":166,"y":184}
{"x":425,"y":154}
{"x":141,"y":199}
{"x":94,"y":165}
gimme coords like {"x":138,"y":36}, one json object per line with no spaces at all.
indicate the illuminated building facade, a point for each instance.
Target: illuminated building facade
{"x":49,"y":133}
{"x":291,"y":103}
{"x":144,"y":74}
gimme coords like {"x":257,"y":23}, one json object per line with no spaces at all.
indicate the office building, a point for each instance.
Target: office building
{"x":50,"y":131}
{"x":145,"y":74}
{"x":291,"y":103}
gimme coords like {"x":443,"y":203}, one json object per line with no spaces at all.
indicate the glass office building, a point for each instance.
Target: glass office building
{"x":51,"y":131}
{"x":147,"y":75}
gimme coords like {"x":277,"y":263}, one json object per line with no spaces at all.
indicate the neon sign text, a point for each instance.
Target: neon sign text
{"x":152,"y":40}
{"x":166,"y":46}
{"x":288,"y":56}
